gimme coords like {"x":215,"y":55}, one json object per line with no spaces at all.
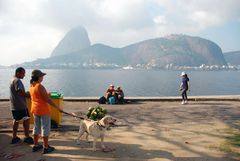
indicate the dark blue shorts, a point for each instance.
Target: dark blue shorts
{"x":19,"y":115}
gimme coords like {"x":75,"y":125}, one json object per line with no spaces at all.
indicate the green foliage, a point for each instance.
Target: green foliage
{"x":234,"y":138}
{"x":231,"y":144}
{"x":96,"y":113}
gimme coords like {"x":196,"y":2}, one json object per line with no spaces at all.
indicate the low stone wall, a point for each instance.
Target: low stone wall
{"x":134,"y":99}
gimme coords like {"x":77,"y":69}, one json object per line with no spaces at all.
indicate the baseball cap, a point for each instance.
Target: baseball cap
{"x":37,"y":73}
{"x":183,"y":73}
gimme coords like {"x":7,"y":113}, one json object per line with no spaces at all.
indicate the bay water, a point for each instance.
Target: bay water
{"x":79,"y":82}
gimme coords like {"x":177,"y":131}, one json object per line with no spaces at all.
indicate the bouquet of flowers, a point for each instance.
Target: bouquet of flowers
{"x":96,"y":113}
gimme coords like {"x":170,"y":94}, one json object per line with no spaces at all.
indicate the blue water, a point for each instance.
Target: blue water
{"x":75,"y":82}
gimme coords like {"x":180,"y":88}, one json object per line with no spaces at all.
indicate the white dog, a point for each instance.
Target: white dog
{"x":96,"y":129}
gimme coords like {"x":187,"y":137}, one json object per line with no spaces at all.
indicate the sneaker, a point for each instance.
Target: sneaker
{"x":37,"y":148}
{"x":49,"y":149}
{"x":15,"y":140}
{"x":183,"y":102}
{"x":186,"y":102}
{"x":28,"y":140}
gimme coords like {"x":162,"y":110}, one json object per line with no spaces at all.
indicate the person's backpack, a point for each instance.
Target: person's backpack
{"x":102,"y":100}
{"x":112,"y":100}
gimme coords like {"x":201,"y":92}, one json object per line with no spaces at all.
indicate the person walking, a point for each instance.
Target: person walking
{"x":18,"y":106}
{"x":41,"y":112}
{"x":184,"y":87}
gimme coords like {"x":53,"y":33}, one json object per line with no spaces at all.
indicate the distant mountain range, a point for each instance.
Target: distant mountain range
{"x":76,"y":51}
{"x":233,"y":57}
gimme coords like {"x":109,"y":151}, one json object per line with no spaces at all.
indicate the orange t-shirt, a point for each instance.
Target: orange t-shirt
{"x":39,"y":105}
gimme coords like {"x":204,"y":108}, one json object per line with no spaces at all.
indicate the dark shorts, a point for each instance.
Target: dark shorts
{"x":19,"y":115}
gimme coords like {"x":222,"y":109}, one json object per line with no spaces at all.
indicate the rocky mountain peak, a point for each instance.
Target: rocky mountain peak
{"x":76,"y":39}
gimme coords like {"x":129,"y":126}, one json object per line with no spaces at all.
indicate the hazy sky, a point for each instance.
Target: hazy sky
{"x":31,"y":29}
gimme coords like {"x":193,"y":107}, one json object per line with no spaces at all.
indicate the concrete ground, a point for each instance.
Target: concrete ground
{"x":147,"y":130}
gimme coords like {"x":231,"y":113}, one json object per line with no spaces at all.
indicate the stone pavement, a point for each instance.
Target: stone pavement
{"x":147,"y":130}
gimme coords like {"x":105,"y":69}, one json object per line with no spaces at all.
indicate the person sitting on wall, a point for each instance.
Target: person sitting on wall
{"x":120,"y":95}
{"x":110,"y":93}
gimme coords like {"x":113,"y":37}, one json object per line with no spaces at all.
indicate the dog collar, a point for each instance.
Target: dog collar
{"x":101,"y":127}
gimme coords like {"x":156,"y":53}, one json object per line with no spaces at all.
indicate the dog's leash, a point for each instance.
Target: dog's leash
{"x":74,"y":115}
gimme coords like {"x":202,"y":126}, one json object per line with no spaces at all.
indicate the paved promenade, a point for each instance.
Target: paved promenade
{"x":148,"y":129}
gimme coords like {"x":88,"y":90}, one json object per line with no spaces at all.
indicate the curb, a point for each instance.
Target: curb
{"x":168,"y":99}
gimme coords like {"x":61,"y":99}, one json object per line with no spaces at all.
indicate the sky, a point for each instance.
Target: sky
{"x":31,"y":29}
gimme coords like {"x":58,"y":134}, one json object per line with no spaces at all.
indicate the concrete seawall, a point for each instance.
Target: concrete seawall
{"x":170,"y":99}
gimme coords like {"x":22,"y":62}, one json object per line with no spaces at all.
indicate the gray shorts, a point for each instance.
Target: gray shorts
{"x":42,"y":125}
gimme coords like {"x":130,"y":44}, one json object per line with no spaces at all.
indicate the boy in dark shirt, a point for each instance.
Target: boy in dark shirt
{"x":184,"y":87}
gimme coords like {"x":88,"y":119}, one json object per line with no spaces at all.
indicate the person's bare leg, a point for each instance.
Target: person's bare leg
{"x":15,"y":128}
{"x":35,"y":139}
{"x":26,"y":125}
{"x":47,"y":148}
{"x":45,"y":141}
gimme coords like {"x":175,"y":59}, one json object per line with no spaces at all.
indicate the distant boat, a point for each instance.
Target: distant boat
{"x":128,"y":67}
